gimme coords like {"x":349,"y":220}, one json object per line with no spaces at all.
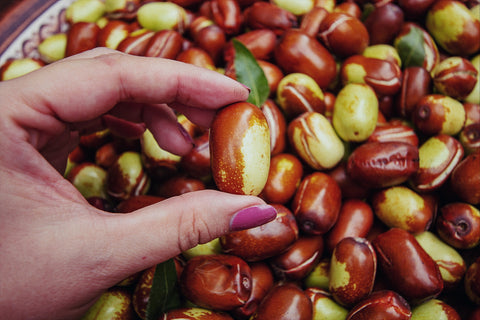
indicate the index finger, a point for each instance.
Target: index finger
{"x":89,"y":85}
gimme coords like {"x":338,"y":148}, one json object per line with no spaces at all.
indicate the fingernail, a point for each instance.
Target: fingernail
{"x":248,"y":88}
{"x":185,"y":134}
{"x":252,"y":217}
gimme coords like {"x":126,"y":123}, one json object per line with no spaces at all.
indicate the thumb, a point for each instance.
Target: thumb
{"x":161,"y":231}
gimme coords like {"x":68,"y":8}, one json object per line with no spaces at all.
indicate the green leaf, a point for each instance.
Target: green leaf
{"x":410,"y":48}
{"x":250,"y":74}
{"x":368,"y":8}
{"x":164,"y":294}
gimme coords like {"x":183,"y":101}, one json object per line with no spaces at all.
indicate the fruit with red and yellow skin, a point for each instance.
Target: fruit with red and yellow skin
{"x":240,"y":149}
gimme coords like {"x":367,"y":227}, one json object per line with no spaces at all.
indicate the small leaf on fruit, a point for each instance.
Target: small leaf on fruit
{"x":164,"y":294}
{"x":249,"y":72}
{"x":410,"y":48}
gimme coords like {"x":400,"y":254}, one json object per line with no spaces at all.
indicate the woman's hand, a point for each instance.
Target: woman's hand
{"x":58,"y":253}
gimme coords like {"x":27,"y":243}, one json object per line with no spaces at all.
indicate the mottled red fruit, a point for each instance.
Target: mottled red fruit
{"x":381,"y":305}
{"x":410,"y":270}
{"x":458,"y":224}
{"x":316,"y":203}
{"x":383,"y":164}
{"x":284,"y":302}
{"x":240,"y":149}
{"x":265,"y":241}
{"x":300,"y":259}
{"x":298,"y":52}
{"x":219,"y":282}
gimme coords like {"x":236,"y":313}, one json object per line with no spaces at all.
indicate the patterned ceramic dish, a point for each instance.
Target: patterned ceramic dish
{"x":26,"y":24}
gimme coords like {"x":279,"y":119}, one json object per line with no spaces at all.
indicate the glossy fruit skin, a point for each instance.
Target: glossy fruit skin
{"x":298,"y":52}
{"x":384,"y":23}
{"x":164,"y":44}
{"x":114,"y":304}
{"x":284,"y":302}
{"x":455,"y":77}
{"x":465,"y":179}
{"x":435,"y":308}
{"x":355,"y":219}
{"x":112,"y":34}
{"x":136,"y":202}
{"x":438,"y":114}
{"x":196,"y":56}
{"x":381,"y":305}
{"x":410,"y":270}
{"x":311,"y":21}
{"x":240,"y":149}
{"x":462,"y":38}
{"x":438,"y":156}
{"x":458,"y":224}
{"x":394,"y":132}
{"x":196,"y":163}
{"x":416,"y":83}
{"x":220,"y":282}
{"x":262,"y":281}
{"x":315,"y":141}
{"x":195,"y":313}
{"x":299,"y":259}
{"x":343,"y":34}
{"x":260,"y":43}
{"x":350,"y":188}
{"x":402,"y":207}
{"x":265,"y":241}
{"x":355,"y":124}
{"x":316,"y":203}
{"x":298,"y":93}
{"x":383,"y":76}
{"x":451,"y":264}
{"x":136,"y":42}
{"x":286,"y":172}
{"x":178,"y":185}
{"x":277,"y":125}
{"x":353,"y":269}
{"x":472,"y":281}
{"x":82,"y":36}
{"x":324,"y":307}
{"x":141,"y":293}
{"x":383,"y":164}
{"x":265,"y":15}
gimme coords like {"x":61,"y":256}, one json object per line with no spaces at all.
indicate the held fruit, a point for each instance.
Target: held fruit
{"x":240,"y":149}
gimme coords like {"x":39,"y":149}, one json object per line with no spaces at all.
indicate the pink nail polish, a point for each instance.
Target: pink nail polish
{"x":185,"y":134}
{"x":248,"y":88}
{"x":252,"y":217}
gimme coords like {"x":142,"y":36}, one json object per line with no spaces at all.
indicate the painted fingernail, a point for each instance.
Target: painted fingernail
{"x":248,"y":88}
{"x":185,"y":134}
{"x":252,"y":217}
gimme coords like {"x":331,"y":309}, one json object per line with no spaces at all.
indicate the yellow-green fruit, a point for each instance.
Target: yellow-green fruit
{"x":355,"y":112}
{"x":211,"y":247}
{"x":297,"y":7}
{"x":320,"y":276}
{"x":20,"y":67}
{"x":85,"y":10}
{"x":158,"y":16}
{"x":450,"y":262}
{"x":115,"y":304}
{"x":53,"y":48}
{"x":383,"y":52}
{"x":434,"y":309}
{"x":474,"y":96}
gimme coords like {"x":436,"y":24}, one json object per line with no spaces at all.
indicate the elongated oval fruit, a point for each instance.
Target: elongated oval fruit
{"x":240,"y":149}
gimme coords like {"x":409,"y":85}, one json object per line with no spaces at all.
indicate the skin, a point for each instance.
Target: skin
{"x":58,"y":253}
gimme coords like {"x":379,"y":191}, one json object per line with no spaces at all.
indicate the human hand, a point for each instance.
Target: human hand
{"x":58,"y":253}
